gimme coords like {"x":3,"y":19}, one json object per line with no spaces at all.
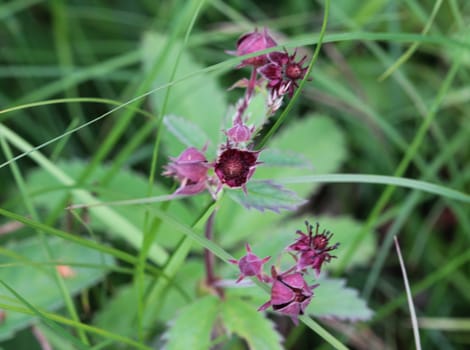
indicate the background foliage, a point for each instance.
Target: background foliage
{"x":71,"y":67}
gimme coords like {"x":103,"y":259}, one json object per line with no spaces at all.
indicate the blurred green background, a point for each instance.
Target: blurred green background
{"x":365,"y":123}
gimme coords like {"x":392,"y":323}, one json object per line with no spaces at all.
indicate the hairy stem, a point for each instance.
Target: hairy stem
{"x":246,"y":99}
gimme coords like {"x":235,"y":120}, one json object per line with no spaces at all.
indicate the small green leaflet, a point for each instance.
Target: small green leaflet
{"x":186,"y":131}
{"x":241,"y":318}
{"x":192,"y":328}
{"x":334,"y":300}
{"x":266,"y":195}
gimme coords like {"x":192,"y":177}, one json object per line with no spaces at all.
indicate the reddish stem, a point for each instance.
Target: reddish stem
{"x":208,"y":256}
{"x":246,"y":99}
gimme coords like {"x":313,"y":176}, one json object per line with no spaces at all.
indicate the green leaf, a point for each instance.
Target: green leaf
{"x":187,"y":132}
{"x":281,"y":158}
{"x":318,"y":139}
{"x":198,"y":99}
{"x":266,"y":195}
{"x":119,"y":314}
{"x":192,"y":328}
{"x":333,"y":299}
{"x":241,"y":318}
{"x":38,"y":288}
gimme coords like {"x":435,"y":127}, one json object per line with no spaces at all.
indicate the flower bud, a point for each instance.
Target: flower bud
{"x":190,"y":169}
{"x":290,"y":294}
{"x":250,"y":265}
{"x":253,"y":42}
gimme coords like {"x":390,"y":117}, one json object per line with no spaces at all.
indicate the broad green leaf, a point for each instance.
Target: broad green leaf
{"x":333,"y":299}
{"x":241,"y":318}
{"x":119,"y":314}
{"x":186,"y":131}
{"x":281,"y":158}
{"x":34,"y":281}
{"x":188,"y":277}
{"x":126,"y":184}
{"x":192,"y":328}
{"x":199,"y":99}
{"x":317,"y":139}
{"x":266,"y":195}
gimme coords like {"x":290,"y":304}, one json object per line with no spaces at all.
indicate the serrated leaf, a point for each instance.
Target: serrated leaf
{"x":36,"y":283}
{"x":241,"y":318}
{"x":199,"y":99}
{"x":279,"y":158}
{"x":192,"y":328}
{"x":318,"y":139}
{"x":266,"y":195}
{"x":334,"y":300}
{"x":186,"y":131}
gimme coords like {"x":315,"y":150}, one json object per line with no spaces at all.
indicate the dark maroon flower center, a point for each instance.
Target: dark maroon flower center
{"x":299,"y":296}
{"x":235,"y":166}
{"x":320,"y":242}
{"x":294,"y":71}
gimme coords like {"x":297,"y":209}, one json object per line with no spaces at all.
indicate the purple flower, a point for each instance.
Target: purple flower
{"x":190,"y":169}
{"x":253,"y":42}
{"x":235,"y":166}
{"x":313,"y":250}
{"x":250,"y":265}
{"x":290,"y":294}
{"x":240,"y":132}
{"x":283,"y":72}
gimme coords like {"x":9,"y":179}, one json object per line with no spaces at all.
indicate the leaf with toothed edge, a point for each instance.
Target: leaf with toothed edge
{"x":334,"y":300}
{"x":186,"y":131}
{"x":241,"y":318}
{"x":277,"y":158}
{"x":192,"y":328}
{"x":266,"y":195}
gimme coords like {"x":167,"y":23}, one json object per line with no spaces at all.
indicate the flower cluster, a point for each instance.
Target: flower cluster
{"x":312,"y":250}
{"x":236,"y":160}
{"x":290,"y":293}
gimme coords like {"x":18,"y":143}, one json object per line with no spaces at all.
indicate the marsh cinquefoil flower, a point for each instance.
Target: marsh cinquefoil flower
{"x":283,"y":72}
{"x":313,"y":250}
{"x":250,"y":265}
{"x":290,"y":294}
{"x":234,"y":166}
{"x":253,"y":42}
{"x":190,"y":169}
